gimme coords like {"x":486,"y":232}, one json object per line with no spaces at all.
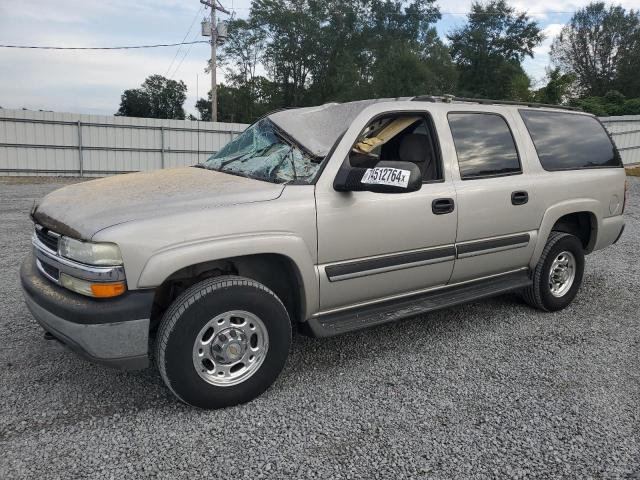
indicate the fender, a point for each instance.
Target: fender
{"x":555,"y":212}
{"x":165,"y":262}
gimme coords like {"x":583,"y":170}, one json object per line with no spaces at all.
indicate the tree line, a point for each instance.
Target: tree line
{"x":293,"y":53}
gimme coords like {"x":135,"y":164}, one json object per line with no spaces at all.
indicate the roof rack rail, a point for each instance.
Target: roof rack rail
{"x":427,"y":98}
{"x":487,"y":101}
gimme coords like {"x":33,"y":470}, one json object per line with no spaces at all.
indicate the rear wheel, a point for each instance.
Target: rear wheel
{"x":224,"y":341}
{"x":558,"y":274}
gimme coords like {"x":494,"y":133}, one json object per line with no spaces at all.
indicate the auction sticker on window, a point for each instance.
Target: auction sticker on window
{"x":395,"y":177}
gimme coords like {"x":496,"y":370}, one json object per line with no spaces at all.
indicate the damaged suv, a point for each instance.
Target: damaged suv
{"x":331,"y":218}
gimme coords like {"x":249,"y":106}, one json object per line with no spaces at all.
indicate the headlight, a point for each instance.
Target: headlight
{"x":99,"y":254}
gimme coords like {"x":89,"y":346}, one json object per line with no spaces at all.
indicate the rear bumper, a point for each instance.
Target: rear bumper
{"x":113,"y":332}
{"x":619,"y":235}
{"x":610,"y":231}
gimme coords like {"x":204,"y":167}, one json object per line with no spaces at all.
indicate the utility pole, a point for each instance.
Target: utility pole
{"x":215,"y":6}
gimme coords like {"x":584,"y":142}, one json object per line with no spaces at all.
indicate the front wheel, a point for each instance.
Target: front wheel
{"x":558,"y":274}
{"x":223,"y":342}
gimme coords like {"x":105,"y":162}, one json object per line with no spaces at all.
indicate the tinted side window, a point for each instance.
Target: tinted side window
{"x":484,"y":145}
{"x":568,"y":141}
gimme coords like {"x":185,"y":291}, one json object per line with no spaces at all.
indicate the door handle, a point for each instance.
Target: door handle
{"x":519,"y":198}
{"x":440,"y":206}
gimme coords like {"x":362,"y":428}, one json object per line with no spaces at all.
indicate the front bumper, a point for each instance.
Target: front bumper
{"x":112,"y":332}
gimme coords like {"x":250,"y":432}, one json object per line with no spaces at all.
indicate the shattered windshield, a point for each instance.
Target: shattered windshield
{"x":264,"y":152}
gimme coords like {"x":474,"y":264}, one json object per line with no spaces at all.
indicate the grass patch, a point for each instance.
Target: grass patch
{"x":634,"y":171}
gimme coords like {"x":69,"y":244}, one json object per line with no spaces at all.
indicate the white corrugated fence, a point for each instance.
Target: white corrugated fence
{"x":68,"y":144}
{"x":625,"y":131}
{"x":51,"y":143}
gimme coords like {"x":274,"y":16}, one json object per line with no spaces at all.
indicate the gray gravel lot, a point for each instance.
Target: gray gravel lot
{"x":489,"y":389}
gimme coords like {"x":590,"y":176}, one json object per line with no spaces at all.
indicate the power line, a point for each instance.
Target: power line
{"x":183,"y":40}
{"x":128,"y":47}
{"x":183,"y":57}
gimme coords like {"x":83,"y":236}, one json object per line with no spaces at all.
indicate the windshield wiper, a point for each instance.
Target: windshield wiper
{"x":293,"y":164}
{"x":274,"y":171}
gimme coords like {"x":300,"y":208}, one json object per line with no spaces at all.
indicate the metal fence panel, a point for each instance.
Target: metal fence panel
{"x":51,"y":143}
{"x":625,"y":131}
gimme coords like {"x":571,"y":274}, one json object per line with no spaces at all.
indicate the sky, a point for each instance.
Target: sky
{"x":92,"y":81}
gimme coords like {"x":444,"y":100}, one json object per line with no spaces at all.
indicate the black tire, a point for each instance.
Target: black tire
{"x":539,"y":294}
{"x":191,"y":311}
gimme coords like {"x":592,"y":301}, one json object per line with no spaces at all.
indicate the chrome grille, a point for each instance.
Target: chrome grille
{"x":52,"y":272}
{"x":51,"y":265}
{"x":48,"y":238}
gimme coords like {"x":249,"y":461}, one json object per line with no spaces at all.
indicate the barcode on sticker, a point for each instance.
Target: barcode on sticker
{"x":386,"y":176}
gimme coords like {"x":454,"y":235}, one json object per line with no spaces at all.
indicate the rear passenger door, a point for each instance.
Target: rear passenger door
{"x":497,"y":221}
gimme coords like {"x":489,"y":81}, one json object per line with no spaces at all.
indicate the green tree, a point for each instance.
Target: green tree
{"x":134,"y":103}
{"x":612,"y":103}
{"x":340,"y":66}
{"x":408,"y":56}
{"x":490,"y":48}
{"x":237,"y":104}
{"x":601,"y":47}
{"x":203,"y":105}
{"x":293,"y":28}
{"x":558,"y":88}
{"x":243,"y":51}
{"x":246,"y":95}
{"x":320,"y":51}
{"x":401,"y":73}
{"x":157,"y":97}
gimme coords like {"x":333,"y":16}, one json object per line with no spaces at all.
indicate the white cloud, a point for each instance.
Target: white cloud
{"x":83,"y":11}
{"x":550,"y":32}
{"x":536,"y":66}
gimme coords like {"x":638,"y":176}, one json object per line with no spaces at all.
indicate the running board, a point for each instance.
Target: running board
{"x":355,"y":319}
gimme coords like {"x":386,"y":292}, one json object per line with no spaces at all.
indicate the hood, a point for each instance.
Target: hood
{"x":83,"y":209}
{"x":318,"y":128}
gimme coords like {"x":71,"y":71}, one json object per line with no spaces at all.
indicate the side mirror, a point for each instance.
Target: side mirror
{"x":385,"y":177}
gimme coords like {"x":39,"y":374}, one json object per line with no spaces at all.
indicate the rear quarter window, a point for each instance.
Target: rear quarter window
{"x":570,"y":141}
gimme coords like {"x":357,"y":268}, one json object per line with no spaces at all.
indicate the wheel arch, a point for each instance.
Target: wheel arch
{"x":277,"y":272}
{"x":577,"y":217}
{"x":583,"y":225}
{"x":286,"y":267}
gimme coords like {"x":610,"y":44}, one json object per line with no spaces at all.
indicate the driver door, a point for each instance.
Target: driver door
{"x":378,"y":246}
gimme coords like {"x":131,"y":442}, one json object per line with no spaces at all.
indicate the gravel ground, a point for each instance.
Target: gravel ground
{"x":489,"y":389}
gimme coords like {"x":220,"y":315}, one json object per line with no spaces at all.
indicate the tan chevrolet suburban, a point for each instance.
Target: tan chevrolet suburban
{"x":332,"y":218}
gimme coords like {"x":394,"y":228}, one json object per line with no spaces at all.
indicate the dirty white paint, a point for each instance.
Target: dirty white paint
{"x":51,"y":143}
{"x":120,"y":199}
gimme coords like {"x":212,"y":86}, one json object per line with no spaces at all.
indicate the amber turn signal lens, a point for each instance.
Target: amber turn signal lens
{"x":96,"y":290}
{"x":106,"y":290}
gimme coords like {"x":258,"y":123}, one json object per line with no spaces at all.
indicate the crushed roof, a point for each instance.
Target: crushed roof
{"x":318,"y":128}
